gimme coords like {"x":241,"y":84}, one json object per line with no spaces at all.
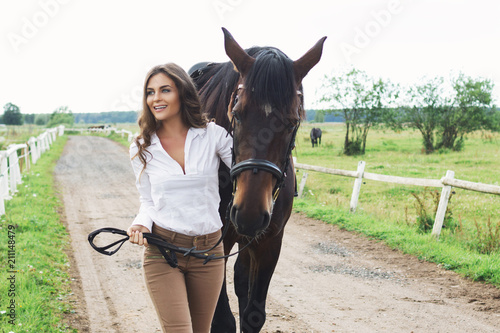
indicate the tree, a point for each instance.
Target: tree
{"x":42,"y":119}
{"x":446,"y":110}
{"x":12,"y":115}
{"x":493,"y":120}
{"x":428,"y":101}
{"x":361,"y":101}
{"x":347,"y":95}
{"x":469,"y":111}
{"x":62,"y":115}
{"x":29,"y":118}
{"x":381,"y":101}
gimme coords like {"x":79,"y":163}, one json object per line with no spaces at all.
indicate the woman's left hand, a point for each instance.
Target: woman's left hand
{"x":135,"y":233}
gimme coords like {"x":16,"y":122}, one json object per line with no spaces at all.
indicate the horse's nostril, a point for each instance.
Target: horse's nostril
{"x":232,"y":215}
{"x":266,"y":218}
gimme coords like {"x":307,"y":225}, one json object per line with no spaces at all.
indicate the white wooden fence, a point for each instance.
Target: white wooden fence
{"x":446,"y":183}
{"x":11,"y":161}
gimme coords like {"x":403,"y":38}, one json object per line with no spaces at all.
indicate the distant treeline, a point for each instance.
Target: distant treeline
{"x":320,"y":116}
{"x":111,"y":117}
{"x":116,"y":117}
{"x":121,"y":117}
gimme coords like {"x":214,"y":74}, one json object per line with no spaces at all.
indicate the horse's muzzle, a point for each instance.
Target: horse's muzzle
{"x":250,"y":224}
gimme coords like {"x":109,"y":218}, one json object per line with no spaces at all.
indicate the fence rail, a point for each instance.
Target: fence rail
{"x":446,"y":183}
{"x":12,"y":163}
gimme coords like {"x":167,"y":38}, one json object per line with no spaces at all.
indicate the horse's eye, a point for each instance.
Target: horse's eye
{"x":236,"y":116}
{"x":292,"y":126}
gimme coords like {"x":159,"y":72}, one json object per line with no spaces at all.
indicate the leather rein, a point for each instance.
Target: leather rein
{"x":168,"y":250}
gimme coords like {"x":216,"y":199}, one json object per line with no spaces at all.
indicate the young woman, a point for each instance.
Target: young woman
{"x":176,"y":159}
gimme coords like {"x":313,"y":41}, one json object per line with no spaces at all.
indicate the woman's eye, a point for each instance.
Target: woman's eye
{"x":165,"y":90}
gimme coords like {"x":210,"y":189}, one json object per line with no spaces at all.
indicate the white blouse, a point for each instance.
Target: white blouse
{"x":184,"y":203}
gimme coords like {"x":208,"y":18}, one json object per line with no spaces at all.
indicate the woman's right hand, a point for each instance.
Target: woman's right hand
{"x":135,"y":233}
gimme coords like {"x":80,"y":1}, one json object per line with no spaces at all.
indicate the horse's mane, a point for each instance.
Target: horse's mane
{"x":215,"y":84}
{"x":270,"y":81}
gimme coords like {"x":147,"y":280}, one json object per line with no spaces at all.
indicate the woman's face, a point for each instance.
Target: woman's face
{"x":162,"y":97}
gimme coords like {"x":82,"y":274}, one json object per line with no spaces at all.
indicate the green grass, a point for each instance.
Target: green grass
{"x":446,"y":252}
{"x":41,"y":264}
{"x":123,"y":140}
{"x":18,"y":134}
{"x":389,"y":211}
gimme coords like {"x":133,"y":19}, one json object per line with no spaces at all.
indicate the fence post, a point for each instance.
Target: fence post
{"x":38,"y":148}
{"x":302,"y":184}
{"x":40,"y":145}
{"x":357,"y":187}
{"x":4,"y":181}
{"x":32,"y":150}
{"x":14,"y":171}
{"x":45,"y":143}
{"x":443,"y":203}
{"x":49,"y":139}
{"x":27,"y":157}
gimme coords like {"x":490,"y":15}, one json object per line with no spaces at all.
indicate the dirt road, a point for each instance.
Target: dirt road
{"x":327,"y":280}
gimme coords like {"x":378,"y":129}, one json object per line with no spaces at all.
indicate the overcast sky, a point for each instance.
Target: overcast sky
{"x":93,"y":55}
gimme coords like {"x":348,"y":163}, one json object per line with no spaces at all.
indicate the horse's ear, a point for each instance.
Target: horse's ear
{"x":238,"y":56}
{"x":303,"y":65}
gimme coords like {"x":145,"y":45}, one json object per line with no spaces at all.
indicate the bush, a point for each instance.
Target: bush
{"x":488,"y":238}
{"x":426,"y":211}
{"x":353,"y":148}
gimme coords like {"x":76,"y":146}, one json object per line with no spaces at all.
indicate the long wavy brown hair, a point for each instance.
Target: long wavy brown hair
{"x":191,"y":113}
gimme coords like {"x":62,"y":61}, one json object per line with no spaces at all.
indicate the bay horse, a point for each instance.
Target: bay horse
{"x":262,"y":88}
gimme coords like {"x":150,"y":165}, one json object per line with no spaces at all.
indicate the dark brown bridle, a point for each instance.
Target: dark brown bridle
{"x":260,"y":164}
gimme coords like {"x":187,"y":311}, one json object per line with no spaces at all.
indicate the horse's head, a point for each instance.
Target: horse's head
{"x":266,"y":112}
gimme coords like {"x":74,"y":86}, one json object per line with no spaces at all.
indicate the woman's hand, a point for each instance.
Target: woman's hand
{"x":135,"y":233}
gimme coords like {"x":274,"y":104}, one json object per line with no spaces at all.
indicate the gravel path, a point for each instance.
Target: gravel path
{"x":327,"y":280}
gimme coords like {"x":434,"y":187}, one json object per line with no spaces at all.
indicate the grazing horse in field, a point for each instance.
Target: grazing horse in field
{"x":316,"y":136}
{"x":261,"y":87}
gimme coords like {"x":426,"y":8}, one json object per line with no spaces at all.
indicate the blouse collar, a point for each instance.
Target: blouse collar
{"x":194,"y":133}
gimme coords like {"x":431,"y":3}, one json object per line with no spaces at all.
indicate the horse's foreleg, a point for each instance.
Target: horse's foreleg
{"x":253,"y":316}
{"x":241,"y":279}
